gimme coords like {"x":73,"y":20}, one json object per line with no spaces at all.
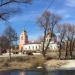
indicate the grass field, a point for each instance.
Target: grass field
{"x":21,"y":62}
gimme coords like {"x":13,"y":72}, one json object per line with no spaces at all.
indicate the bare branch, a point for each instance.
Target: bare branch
{"x":5,"y":2}
{"x":47,"y":22}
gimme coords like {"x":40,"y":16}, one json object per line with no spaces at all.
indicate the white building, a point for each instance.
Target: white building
{"x":26,"y":46}
{"x":32,"y":47}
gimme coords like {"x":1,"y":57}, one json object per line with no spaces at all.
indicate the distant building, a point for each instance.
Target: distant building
{"x":32,"y":47}
{"x":23,"y":40}
{"x":25,"y":45}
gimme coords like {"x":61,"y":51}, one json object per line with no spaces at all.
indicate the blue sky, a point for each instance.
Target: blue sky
{"x":28,"y":17}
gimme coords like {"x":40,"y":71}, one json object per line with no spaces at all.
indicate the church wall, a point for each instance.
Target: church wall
{"x":24,"y":45}
{"x":53,"y":46}
{"x":32,"y":47}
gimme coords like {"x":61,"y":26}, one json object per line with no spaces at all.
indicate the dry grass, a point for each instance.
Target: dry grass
{"x":54,"y":64}
{"x":37,"y":61}
{"x":29,"y":62}
{"x":21,"y":62}
{"x":52,"y":55}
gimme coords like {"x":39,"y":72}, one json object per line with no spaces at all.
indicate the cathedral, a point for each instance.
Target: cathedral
{"x":25,"y":45}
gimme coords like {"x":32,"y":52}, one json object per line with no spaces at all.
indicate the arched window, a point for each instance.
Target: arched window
{"x":36,"y":47}
{"x":33,"y":47}
{"x":39,"y":47}
{"x":50,"y":46}
{"x":29,"y":47}
{"x":47,"y":40}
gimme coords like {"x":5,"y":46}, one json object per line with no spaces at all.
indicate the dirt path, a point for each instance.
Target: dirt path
{"x":69,"y":65}
{"x":60,"y":64}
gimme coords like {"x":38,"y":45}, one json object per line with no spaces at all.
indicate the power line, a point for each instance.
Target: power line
{"x":52,"y":1}
{"x":51,"y":4}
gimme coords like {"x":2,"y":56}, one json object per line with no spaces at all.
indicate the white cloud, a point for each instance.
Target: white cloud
{"x":70,"y":3}
{"x":61,"y":12}
{"x":67,"y":16}
{"x":64,"y":13}
{"x":32,"y":16}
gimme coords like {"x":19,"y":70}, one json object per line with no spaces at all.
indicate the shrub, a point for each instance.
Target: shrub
{"x":39,"y":61}
{"x":6,"y":64}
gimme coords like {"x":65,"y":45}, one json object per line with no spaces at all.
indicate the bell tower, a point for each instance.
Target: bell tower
{"x":23,"y":39}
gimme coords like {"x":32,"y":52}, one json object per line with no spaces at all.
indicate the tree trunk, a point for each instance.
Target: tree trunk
{"x":43,"y":48}
{"x":10,"y":54}
{"x":48,"y":42}
{"x":60,"y":51}
{"x":71,"y":48}
{"x":60,"y":47}
{"x":66,"y":50}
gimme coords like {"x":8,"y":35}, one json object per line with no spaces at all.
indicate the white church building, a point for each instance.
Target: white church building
{"x":25,"y":45}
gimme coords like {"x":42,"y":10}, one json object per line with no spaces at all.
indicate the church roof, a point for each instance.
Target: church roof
{"x":25,"y":30}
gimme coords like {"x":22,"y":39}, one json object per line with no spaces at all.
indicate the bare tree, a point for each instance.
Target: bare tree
{"x":47,"y":22}
{"x":8,"y":8}
{"x":11,"y":36}
{"x":67,"y":35}
{"x":70,"y":35}
{"x":4,"y":44}
{"x":61,"y":30}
